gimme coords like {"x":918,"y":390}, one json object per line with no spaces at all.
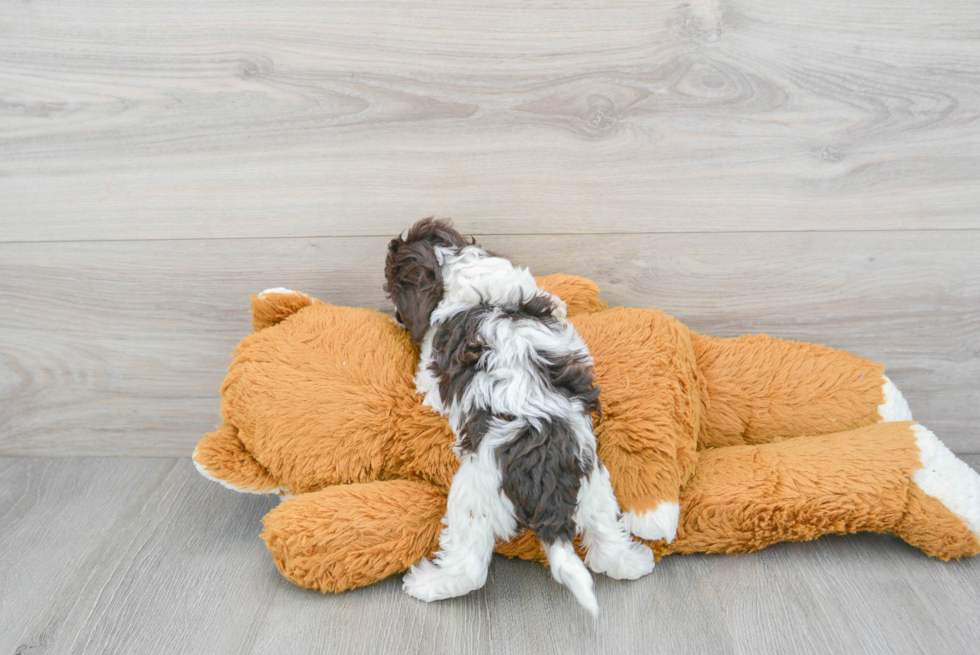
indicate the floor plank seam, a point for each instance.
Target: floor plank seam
{"x":461,"y":222}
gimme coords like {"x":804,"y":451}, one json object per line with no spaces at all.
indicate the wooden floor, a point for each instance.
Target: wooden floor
{"x":805,"y":169}
{"x":111,"y":555}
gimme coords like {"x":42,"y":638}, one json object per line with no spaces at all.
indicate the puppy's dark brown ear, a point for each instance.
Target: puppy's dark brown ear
{"x":413,"y":274}
{"x":414,"y":284}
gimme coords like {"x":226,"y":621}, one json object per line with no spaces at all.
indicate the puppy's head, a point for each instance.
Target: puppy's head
{"x":413,"y":273}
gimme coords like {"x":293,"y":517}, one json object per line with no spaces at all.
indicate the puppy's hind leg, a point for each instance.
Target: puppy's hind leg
{"x":610,"y":548}
{"x":476,"y":513}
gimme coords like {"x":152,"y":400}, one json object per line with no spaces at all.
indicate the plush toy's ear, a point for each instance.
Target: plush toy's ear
{"x":580,"y":294}
{"x":273,"y":305}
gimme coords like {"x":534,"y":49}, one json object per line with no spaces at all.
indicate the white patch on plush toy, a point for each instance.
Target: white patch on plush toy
{"x":283,"y":290}
{"x":224,"y":483}
{"x":947,"y":478}
{"x":656,"y":524}
{"x":894,"y":408}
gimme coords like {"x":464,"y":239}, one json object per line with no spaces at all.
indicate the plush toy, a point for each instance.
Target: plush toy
{"x":713,"y":445}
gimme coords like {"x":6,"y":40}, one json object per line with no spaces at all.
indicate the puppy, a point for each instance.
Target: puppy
{"x":514,"y":378}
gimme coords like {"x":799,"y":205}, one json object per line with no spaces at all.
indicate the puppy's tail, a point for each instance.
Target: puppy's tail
{"x":569,"y":570}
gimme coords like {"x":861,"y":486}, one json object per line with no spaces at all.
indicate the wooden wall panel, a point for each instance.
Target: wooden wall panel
{"x":123,"y":120}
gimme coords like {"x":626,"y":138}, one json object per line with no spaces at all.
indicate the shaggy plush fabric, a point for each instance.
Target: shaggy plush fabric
{"x":716,"y":445}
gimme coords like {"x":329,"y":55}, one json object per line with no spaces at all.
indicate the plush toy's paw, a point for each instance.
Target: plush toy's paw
{"x":629,"y":563}
{"x":655,"y":524}
{"x":221,"y":456}
{"x":427,"y":581}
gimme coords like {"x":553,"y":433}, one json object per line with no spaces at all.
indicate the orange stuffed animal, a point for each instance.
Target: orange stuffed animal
{"x":713,"y":445}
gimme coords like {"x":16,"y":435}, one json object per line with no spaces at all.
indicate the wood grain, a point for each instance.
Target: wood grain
{"x":673,"y":611}
{"x":296,"y":119}
{"x":119,"y":348}
{"x":376,"y":619}
{"x":128,"y":556}
{"x":53,"y":514}
{"x":857,"y":594}
{"x":142,"y":555}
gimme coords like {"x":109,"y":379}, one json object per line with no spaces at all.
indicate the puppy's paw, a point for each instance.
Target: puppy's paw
{"x":630,"y":563}
{"x":655,"y":524}
{"x":427,"y":581}
{"x":423,"y":582}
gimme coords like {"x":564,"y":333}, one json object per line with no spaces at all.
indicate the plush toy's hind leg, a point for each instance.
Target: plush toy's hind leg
{"x":887,"y":477}
{"x":349,"y":536}
{"x":761,"y":388}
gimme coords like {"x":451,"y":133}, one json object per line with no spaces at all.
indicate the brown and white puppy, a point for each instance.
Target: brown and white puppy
{"x":514,"y":378}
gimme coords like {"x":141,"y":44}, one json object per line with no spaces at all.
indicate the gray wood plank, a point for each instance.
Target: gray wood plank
{"x":376,"y":619}
{"x":674,"y":610}
{"x":129,"y":556}
{"x":184,"y":119}
{"x":53,"y":515}
{"x":520,"y":610}
{"x":141,"y":555}
{"x":855,"y":594}
{"x":120,"y":348}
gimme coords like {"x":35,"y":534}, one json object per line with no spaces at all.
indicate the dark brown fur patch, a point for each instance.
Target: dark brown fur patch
{"x":542,"y":473}
{"x":456,"y":351}
{"x":540,"y":307}
{"x":574,"y":377}
{"x":476,"y":427}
